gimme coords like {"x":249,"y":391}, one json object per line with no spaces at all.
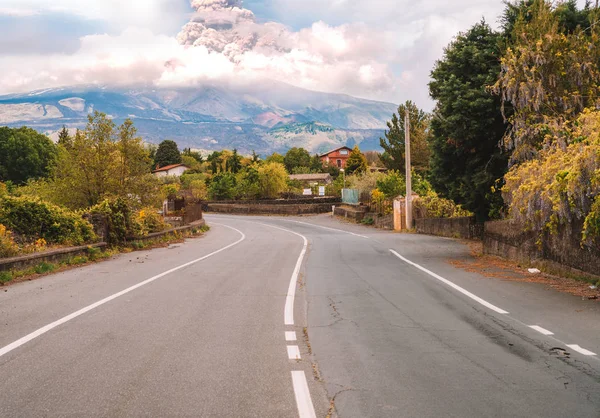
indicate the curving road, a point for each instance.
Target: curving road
{"x":288,"y":317}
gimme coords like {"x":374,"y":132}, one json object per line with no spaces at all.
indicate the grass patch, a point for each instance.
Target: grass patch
{"x":77,"y":260}
{"x":5,"y":276}
{"x":44,"y":268}
{"x":368,"y":221}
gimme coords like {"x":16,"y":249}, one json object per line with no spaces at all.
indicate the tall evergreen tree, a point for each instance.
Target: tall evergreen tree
{"x":467,"y":161}
{"x":167,"y":154}
{"x":234,"y":163}
{"x":394,"y":157}
{"x":64,"y":138}
{"x":357,"y":162}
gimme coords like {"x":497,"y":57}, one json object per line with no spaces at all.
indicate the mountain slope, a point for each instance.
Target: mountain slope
{"x":265,"y":118}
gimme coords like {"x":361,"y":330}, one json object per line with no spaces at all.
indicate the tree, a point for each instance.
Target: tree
{"x":215,"y":161}
{"x":103,"y":162}
{"x":549,"y":75}
{"x":296,"y":157}
{"x":25,"y":154}
{"x":394,"y":157}
{"x":167,"y":154}
{"x":255,"y":157}
{"x":275,"y":158}
{"x":467,"y":125}
{"x":373,"y":158}
{"x":64,"y":138}
{"x":357,"y":162}
{"x":222,"y":187}
{"x":234,"y":164}
{"x":187,"y":152}
{"x":248,"y":183}
{"x":272,"y":178}
{"x":135,"y":166}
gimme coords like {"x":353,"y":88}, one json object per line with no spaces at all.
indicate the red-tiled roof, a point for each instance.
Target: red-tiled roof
{"x":169,"y":167}
{"x":334,"y":150}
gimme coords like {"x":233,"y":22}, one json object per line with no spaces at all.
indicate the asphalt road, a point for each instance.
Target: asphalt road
{"x":212,"y":328}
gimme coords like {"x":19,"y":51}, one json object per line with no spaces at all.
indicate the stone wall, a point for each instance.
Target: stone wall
{"x":52,"y":256}
{"x":255,"y":208}
{"x":279,"y":202}
{"x":62,"y":254}
{"x":355,"y":213}
{"x":561,"y":251}
{"x":466,"y":228}
{"x":382,"y":221}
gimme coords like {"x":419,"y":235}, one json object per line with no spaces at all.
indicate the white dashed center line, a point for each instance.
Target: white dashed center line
{"x":580,"y":350}
{"x":541,"y":330}
{"x":303,"y":400}
{"x":293,"y":352}
{"x":290,"y":335}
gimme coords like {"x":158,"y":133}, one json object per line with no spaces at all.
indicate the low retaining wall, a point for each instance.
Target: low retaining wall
{"x":382,"y":221}
{"x":308,"y":200}
{"x":61,"y":254}
{"x":197,"y":224}
{"x":466,"y":228}
{"x":352,"y":212}
{"x":52,"y":256}
{"x":560,"y":252}
{"x":252,"y":208}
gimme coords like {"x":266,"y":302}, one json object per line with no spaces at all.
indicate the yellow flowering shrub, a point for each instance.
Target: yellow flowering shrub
{"x":563,"y":185}
{"x":150,"y":221}
{"x":8,"y":248}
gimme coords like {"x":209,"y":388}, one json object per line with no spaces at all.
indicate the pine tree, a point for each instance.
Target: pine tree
{"x":393,"y":143}
{"x":64,"y":138}
{"x":467,"y":162}
{"x":357,"y":162}
{"x":167,"y":154}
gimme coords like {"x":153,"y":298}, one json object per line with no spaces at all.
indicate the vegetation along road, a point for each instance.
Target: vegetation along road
{"x":284,"y":317}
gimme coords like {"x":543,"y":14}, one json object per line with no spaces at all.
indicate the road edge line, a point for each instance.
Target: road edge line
{"x":452,"y":285}
{"x":41,"y":331}
{"x":288,"y":312}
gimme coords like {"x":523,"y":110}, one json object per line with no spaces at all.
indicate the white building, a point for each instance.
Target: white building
{"x":171,"y":170}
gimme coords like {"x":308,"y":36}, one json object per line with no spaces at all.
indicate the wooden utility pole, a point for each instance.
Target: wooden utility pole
{"x":408,"y":200}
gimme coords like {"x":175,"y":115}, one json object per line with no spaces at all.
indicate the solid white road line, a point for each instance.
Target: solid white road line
{"x":580,"y":350}
{"x":288,"y":313}
{"x":293,"y":352}
{"x":541,"y":330}
{"x":303,"y":400}
{"x":49,"y":327}
{"x":332,"y":229}
{"x":452,"y":285}
{"x":290,"y":335}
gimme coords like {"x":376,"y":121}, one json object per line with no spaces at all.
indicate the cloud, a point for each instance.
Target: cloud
{"x":378,"y":49}
{"x":18,"y":12}
{"x":162,"y":16}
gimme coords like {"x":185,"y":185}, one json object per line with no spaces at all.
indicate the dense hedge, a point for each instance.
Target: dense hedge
{"x":31,"y":219}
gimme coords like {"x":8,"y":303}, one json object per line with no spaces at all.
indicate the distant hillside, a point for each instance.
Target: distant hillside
{"x":264,"y":118}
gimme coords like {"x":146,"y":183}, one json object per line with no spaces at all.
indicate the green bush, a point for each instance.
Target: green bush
{"x":119,"y":218}
{"x":433,"y":206}
{"x":222,"y":187}
{"x":392,"y":185}
{"x":31,"y":219}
